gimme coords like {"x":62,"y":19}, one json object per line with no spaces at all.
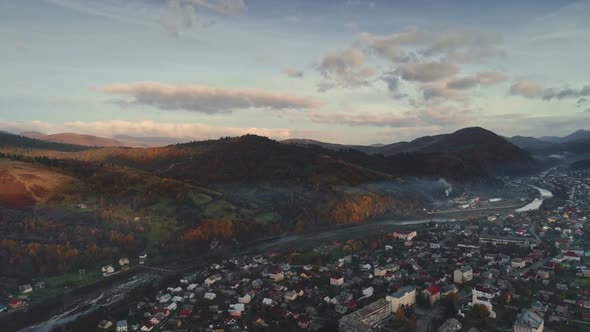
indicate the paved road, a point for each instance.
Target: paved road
{"x":423,"y":324}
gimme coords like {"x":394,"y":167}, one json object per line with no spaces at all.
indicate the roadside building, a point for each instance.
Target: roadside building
{"x":528,"y":321}
{"x":463,"y":274}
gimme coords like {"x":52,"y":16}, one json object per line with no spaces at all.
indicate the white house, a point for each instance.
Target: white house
{"x":337,"y":279}
{"x":405,"y":235}
{"x":24,"y":289}
{"x":210,"y":296}
{"x":463,"y":275}
{"x":245,"y":299}
{"x":518,"y":263}
{"x":368,"y":291}
{"x":405,"y":296}
{"x":122,"y":326}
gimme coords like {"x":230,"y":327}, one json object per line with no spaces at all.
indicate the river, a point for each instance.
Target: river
{"x":536,"y":203}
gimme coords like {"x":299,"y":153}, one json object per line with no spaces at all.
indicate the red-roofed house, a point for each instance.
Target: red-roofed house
{"x":571,"y":256}
{"x":433,"y":294}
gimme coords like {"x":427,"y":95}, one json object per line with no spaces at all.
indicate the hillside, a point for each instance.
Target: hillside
{"x":81,"y":139}
{"x":578,"y":135}
{"x":476,"y":151}
{"x":329,"y":146}
{"x":25,"y":144}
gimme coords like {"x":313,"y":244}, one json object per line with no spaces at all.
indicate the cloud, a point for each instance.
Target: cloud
{"x":425,"y":116}
{"x":440,"y":90}
{"x":426,"y":71}
{"x":294,"y":73}
{"x":457,"y":46}
{"x":181,"y":14}
{"x":226,"y":7}
{"x":365,"y":119}
{"x":526,"y":88}
{"x":468,"y":82}
{"x":346,"y":68}
{"x":530,"y":89}
{"x":205,"y":99}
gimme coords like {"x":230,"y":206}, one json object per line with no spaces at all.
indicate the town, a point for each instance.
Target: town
{"x":521,"y":271}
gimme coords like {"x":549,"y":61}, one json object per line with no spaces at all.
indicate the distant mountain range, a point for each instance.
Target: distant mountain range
{"x":97,"y":141}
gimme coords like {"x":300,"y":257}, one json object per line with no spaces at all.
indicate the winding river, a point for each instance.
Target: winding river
{"x":536,"y":203}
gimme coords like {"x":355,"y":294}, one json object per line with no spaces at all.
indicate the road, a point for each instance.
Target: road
{"x":425,"y":322}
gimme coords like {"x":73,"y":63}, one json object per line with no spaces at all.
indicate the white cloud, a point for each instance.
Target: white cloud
{"x":468,"y":82}
{"x":426,"y":71}
{"x":530,"y":89}
{"x":346,"y":68}
{"x":294,"y":73}
{"x":205,"y":99}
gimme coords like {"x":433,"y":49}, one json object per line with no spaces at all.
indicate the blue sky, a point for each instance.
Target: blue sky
{"x":342,"y":71}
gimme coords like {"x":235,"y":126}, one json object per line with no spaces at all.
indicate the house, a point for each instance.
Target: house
{"x":368,"y":291}
{"x":405,"y":235}
{"x":379,"y":271}
{"x":210,"y":296}
{"x":571,"y":256}
{"x":528,"y":321}
{"x":483,"y":296}
{"x":15,"y":304}
{"x":518,"y":263}
{"x":290,"y":296}
{"x":3,"y":308}
{"x":212,"y":279}
{"x":107,"y":270}
{"x":538,"y":306}
{"x":543,"y":274}
{"x":463,"y":274}
{"x":245,"y":299}
{"x":366,"y":318}
{"x":337,"y":279}
{"x":165,"y":298}
{"x":448,"y":290}
{"x":405,"y":296}
{"x":433,"y":294}
{"x":277,"y":275}
{"x":122,"y":326}
{"x":105,"y":324}
{"x":142,"y":260}
{"x":267,"y":301}
{"x":124,"y":263}
{"x":24,"y":289}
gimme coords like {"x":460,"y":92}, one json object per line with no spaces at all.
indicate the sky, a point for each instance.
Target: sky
{"x":344,"y":71}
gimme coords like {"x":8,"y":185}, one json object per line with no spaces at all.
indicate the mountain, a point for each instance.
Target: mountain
{"x":150,"y":141}
{"x":329,"y":146}
{"x":33,"y":134}
{"x":526,"y":142}
{"x":580,"y":134}
{"x":75,"y":139}
{"x":16,"y":143}
{"x":479,"y":151}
